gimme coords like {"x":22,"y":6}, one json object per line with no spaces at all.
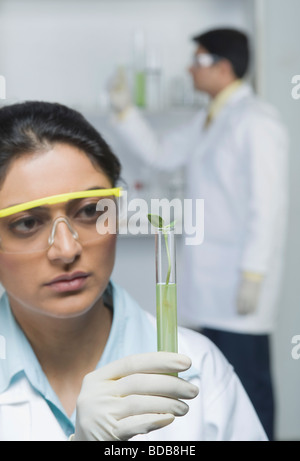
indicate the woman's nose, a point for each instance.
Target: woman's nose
{"x":64,"y":242}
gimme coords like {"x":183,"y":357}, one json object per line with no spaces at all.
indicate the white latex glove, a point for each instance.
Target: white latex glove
{"x":132,"y":396}
{"x":249,"y":293}
{"x":120,"y":99}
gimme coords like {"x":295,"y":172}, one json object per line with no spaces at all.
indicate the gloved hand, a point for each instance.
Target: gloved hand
{"x":120,"y":99}
{"x":133,"y":395}
{"x":248,"y":293}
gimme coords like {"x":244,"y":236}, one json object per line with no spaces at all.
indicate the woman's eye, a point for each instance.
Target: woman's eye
{"x":26,"y":225}
{"x":88,"y":211}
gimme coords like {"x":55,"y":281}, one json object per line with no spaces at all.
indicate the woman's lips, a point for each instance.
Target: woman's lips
{"x":68,"y":282}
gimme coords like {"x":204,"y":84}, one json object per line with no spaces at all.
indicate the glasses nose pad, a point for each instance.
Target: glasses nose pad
{"x":55,"y":224}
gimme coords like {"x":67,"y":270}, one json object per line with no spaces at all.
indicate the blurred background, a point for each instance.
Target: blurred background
{"x":68,"y":50}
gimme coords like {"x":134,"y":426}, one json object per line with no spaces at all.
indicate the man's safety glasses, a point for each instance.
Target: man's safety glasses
{"x":31,"y":227}
{"x":205,"y":60}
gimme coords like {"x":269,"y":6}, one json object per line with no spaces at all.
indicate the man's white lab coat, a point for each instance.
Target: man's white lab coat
{"x":238,"y":165}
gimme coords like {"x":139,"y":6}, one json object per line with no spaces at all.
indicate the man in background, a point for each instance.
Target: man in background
{"x":235,"y":155}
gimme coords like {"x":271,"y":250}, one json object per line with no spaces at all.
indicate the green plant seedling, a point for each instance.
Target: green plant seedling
{"x":158,"y":222}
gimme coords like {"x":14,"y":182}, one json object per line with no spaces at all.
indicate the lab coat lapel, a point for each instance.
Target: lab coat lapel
{"x":22,"y":410}
{"x":209,"y":135}
{"x":15,"y":420}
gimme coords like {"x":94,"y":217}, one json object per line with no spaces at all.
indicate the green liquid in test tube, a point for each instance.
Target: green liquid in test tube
{"x":166,"y":288}
{"x":166,"y":317}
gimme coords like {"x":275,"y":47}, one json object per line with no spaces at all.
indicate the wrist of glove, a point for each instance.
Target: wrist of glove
{"x":120,"y":103}
{"x":249,"y":293}
{"x":134,"y":395}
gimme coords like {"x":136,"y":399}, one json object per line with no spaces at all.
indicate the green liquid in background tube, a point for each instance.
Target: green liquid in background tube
{"x":140,"y":89}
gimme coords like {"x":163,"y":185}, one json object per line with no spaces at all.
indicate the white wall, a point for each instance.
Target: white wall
{"x":281,"y":61}
{"x":65,"y":50}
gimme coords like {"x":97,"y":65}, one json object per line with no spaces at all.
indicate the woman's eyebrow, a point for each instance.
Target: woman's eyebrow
{"x":97,"y":187}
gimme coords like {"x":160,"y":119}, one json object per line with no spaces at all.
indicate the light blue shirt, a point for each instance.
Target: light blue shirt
{"x":131,"y":333}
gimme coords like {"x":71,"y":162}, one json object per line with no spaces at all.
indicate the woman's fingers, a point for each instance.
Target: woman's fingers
{"x":152,"y":362}
{"x":155,"y":384}
{"x":127,"y":428}
{"x":143,"y":404}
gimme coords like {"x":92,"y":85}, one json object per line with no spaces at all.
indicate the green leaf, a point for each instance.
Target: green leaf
{"x":172,"y":224}
{"x":156,"y":220}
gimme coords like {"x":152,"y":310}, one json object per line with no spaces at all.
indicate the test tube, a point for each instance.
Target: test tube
{"x":166,"y":290}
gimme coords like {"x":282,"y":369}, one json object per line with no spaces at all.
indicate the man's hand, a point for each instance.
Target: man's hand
{"x":134,"y":395}
{"x":120,"y":99}
{"x":249,"y":293}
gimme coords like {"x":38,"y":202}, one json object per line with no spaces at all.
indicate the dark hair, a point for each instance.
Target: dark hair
{"x":33,"y":125}
{"x":230,"y":44}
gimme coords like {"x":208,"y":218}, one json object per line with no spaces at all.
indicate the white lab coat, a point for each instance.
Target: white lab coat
{"x":239,"y":167}
{"x":221,"y":411}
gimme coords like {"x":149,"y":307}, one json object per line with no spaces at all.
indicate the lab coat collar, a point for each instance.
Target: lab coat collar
{"x":17,"y":393}
{"x":11,"y":363}
{"x":233,"y":95}
{"x":243,"y":91}
{"x":209,"y":132}
{"x":221,"y":99}
{"x":19,"y":356}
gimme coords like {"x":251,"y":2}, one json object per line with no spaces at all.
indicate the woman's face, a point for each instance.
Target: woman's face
{"x":28,"y":278}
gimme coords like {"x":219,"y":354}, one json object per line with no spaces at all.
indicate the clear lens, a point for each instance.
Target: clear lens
{"x":34,"y":230}
{"x":205,"y":60}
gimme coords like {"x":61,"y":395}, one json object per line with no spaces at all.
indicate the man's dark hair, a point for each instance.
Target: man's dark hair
{"x":230,"y":44}
{"x":35,"y":126}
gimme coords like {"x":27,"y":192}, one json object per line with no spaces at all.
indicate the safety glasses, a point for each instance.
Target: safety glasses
{"x":205,"y":60}
{"x":53,"y":199}
{"x":31,"y":226}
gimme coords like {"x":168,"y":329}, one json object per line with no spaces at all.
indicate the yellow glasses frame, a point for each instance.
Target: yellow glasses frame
{"x":53,"y":199}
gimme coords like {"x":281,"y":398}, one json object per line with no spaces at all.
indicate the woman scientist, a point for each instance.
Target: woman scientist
{"x":80,"y":359}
